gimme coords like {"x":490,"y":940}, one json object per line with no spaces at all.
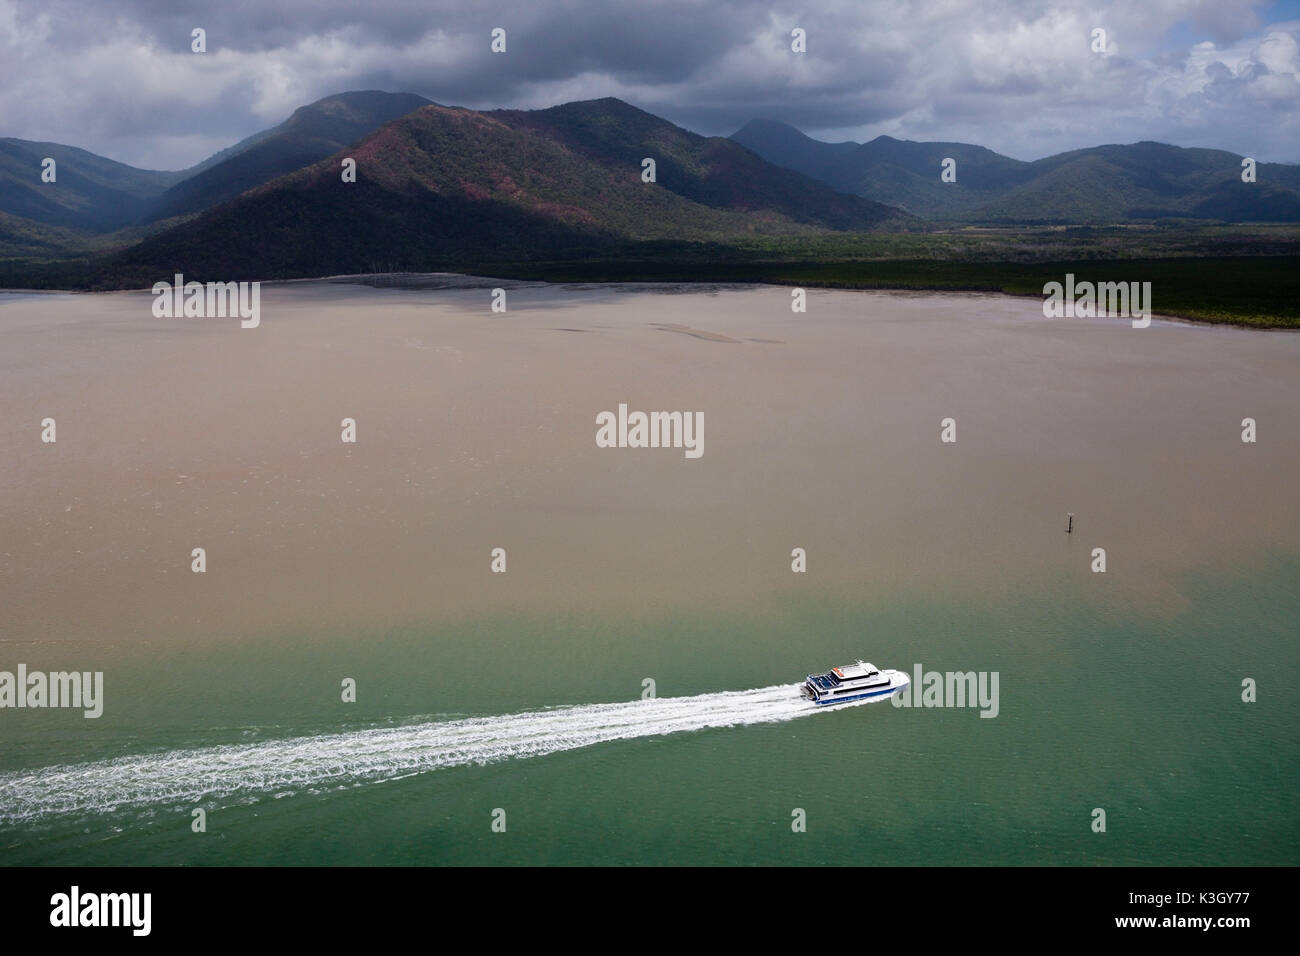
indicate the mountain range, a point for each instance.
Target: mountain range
{"x":434,"y":184}
{"x":1102,"y":184}
{"x":437,"y":185}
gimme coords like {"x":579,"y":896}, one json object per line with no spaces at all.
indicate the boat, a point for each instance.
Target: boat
{"x":860,"y":681}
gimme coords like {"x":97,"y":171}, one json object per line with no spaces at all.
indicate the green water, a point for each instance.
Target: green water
{"x":1102,"y":703}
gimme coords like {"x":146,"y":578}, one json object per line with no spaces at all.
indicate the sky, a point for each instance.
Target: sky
{"x":1022,"y":77}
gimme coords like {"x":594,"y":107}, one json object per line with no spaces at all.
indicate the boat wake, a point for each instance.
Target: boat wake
{"x":278,"y":767}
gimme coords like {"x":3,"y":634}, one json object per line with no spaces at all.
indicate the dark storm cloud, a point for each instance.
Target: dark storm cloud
{"x":1016,"y":75}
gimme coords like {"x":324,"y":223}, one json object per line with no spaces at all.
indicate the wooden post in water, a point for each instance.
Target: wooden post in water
{"x":1069,"y":528}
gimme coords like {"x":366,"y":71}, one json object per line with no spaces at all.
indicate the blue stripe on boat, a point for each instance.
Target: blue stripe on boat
{"x":845,"y":700}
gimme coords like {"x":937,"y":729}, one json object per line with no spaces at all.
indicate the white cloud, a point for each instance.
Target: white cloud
{"x":1016,"y":75}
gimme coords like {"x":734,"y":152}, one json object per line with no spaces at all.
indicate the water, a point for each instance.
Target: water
{"x":521,"y":692}
{"x":299,"y":763}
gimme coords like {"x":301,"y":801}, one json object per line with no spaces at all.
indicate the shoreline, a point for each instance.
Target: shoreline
{"x":456,"y":281}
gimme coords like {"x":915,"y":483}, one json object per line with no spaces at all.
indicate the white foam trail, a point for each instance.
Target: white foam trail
{"x":278,"y":766}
